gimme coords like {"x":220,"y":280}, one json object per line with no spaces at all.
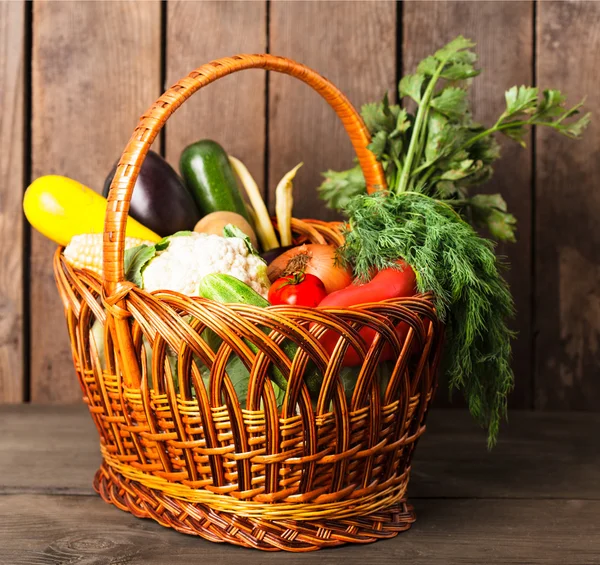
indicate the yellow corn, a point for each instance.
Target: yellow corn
{"x":85,"y":251}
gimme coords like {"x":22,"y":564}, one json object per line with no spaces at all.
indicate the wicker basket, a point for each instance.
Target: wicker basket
{"x":314,"y":473}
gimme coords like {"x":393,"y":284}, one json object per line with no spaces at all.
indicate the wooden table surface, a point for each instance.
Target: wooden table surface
{"x":534,"y":499}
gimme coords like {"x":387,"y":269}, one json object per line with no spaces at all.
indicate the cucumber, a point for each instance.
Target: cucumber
{"x":229,"y":290}
{"x":208,"y":175}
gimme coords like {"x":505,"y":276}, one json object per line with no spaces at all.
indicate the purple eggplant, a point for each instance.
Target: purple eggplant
{"x":160,"y":200}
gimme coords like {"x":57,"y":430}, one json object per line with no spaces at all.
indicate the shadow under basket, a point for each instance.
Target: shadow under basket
{"x":194,"y":432}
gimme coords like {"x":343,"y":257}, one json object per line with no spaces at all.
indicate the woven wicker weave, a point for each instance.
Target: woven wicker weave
{"x":316,"y":472}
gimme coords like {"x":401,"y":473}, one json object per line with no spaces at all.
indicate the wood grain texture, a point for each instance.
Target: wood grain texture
{"x":535,"y":499}
{"x":232,"y":111}
{"x":567,"y":261}
{"x":96,"y":68}
{"x":503,"y":32}
{"x":63,"y":438}
{"x":539,"y":455}
{"x":12,"y":41}
{"x":46,"y":530}
{"x":353,"y":44}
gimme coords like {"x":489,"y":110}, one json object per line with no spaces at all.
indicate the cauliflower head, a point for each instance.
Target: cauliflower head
{"x":190,"y":257}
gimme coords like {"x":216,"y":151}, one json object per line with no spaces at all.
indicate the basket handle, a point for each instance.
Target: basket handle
{"x":155,"y":117}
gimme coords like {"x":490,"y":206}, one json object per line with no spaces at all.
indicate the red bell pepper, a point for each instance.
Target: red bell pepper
{"x":386,"y":284}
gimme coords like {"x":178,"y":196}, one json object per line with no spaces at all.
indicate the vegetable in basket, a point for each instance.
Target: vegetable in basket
{"x":258,"y":210}
{"x":440,"y":151}
{"x":264,"y":227}
{"x":236,"y":370}
{"x":85,"y":251}
{"x":179,"y":262}
{"x":229,"y":290}
{"x":208,"y":175}
{"x":396,"y":282}
{"x":216,"y":221}
{"x":60,"y":208}
{"x":431,"y":159}
{"x":313,"y":259}
{"x":300,"y":289}
{"x":284,"y":202}
{"x":160,"y":200}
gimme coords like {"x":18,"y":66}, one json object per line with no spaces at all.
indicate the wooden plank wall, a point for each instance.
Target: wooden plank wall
{"x":84,"y":71}
{"x":12,"y":69}
{"x":332,"y":37}
{"x":90,"y":84}
{"x":567,"y":240}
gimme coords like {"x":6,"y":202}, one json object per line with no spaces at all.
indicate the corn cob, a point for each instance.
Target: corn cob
{"x":85,"y":251}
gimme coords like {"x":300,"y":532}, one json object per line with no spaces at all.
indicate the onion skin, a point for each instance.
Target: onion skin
{"x":313,"y":259}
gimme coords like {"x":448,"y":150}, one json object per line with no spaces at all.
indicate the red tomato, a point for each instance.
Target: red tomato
{"x":299,"y":289}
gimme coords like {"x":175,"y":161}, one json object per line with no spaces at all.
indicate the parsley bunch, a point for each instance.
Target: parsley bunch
{"x":439,"y":150}
{"x":432,"y":158}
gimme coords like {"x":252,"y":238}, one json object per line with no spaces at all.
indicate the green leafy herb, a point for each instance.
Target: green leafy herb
{"x":490,"y":211}
{"x":462,"y":270}
{"x":339,"y":188}
{"x":439,"y":150}
{"x":432,"y":159}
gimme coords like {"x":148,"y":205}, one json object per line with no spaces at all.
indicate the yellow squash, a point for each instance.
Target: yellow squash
{"x":60,"y":207}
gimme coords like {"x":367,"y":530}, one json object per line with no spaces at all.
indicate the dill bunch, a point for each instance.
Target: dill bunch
{"x":462,"y":271}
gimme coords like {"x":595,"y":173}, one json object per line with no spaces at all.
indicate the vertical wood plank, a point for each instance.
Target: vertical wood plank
{"x":96,"y":68}
{"x":12,"y":32}
{"x":351,"y":43}
{"x":231,"y":111}
{"x":504,"y":35}
{"x":567,"y":261}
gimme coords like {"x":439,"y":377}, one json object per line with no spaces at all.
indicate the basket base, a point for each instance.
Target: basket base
{"x":266,"y":535}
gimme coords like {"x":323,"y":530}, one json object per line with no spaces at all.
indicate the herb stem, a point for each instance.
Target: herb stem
{"x":424,"y":166}
{"x":499,"y":127}
{"x":419,"y":152}
{"x":496,"y":127}
{"x":426,"y":176}
{"x":414,"y":138}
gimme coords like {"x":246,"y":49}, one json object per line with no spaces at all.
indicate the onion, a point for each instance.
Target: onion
{"x":314,"y":259}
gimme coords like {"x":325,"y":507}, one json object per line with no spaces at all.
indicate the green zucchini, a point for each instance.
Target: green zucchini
{"x":208,"y":175}
{"x":229,"y":290}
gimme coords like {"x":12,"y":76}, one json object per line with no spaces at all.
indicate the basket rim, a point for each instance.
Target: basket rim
{"x":423,"y":297}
